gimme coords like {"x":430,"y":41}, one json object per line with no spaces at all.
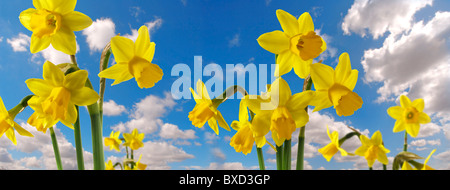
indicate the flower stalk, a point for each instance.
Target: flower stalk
{"x":76,"y":126}
{"x":301,"y":137}
{"x":56,"y":149}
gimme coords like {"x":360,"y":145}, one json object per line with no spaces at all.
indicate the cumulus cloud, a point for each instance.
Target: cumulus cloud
{"x":235,"y":41}
{"x":99,"y":34}
{"x":157,"y":155}
{"x":415,"y":63}
{"x":20,"y":43}
{"x":171,"y":131}
{"x":151,"y":25}
{"x":111,"y":108}
{"x":379,"y":16}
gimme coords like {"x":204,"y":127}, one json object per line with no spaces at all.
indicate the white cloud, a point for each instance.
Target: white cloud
{"x":331,"y":51}
{"x":184,"y":2}
{"x":226,"y":166}
{"x":379,"y":16}
{"x":99,"y":34}
{"x":416,"y":64}
{"x":171,"y":131}
{"x":146,"y":114}
{"x":218,"y":153}
{"x":111,"y":108}
{"x":20,"y":43}
{"x":235,"y":41}
{"x":157,"y":155}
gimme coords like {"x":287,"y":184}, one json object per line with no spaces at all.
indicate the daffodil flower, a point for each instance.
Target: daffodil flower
{"x":373,"y":149}
{"x":296,"y":46}
{"x":139,"y":165}
{"x":409,"y":115}
{"x":425,"y":166}
{"x":283,"y":113}
{"x":204,"y":110}
{"x":134,"y":60}
{"x":58,"y":94}
{"x":109,"y":165}
{"x":331,"y":149}
{"x":8,"y":125}
{"x":134,"y":140}
{"x":113,"y":141}
{"x":335,"y":87}
{"x":54,"y":22}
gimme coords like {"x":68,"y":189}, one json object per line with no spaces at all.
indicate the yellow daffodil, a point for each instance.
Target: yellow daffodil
{"x":8,"y":125}
{"x":113,"y":141}
{"x":134,"y":60}
{"x":139,"y":165}
{"x":409,"y":115}
{"x":58,"y":94}
{"x":373,"y":149}
{"x":54,"y":22}
{"x":39,"y":118}
{"x":204,"y":110}
{"x":109,"y":165}
{"x":335,"y":87}
{"x":407,"y":166}
{"x":331,"y":149}
{"x":283,"y":113}
{"x":295,"y":46}
{"x":134,"y":140}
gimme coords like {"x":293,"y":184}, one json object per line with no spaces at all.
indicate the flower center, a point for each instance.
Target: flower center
{"x":200,"y":114}
{"x":282,"y":122}
{"x":411,"y":115}
{"x":372,"y":153}
{"x":307,"y":46}
{"x":56,"y":104}
{"x":45,"y":23}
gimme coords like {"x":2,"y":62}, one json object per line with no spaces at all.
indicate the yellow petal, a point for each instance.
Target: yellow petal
{"x":143,"y":47}
{"x":119,"y":72}
{"x":213,"y":125}
{"x":301,"y":68}
{"x":84,"y":97}
{"x":424,"y":118}
{"x":275,"y":42}
{"x":3,"y":111}
{"x":11,"y":135}
{"x":288,"y":22}
{"x":280,"y":92}
{"x":306,"y":23}
{"x":412,"y":129}
{"x":38,"y":44}
{"x":321,"y":100}
{"x":150,"y":75}
{"x":284,"y":63}
{"x":196,"y":97}
{"x":243,"y":111}
{"x":203,"y":91}
{"x":328,"y":151}
{"x":22,"y":131}
{"x":75,"y":80}
{"x":377,"y":139}
{"x":25,"y":17}
{"x":64,"y":40}
{"x":300,"y":101}
{"x":345,"y":101}
{"x":351,"y":80}
{"x":261,"y":124}
{"x":322,"y":76}
{"x":343,"y":69}
{"x":52,"y":74}
{"x":405,"y":102}
{"x":382,"y":157}
{"x":300,"y":117}
{"x":395,"y":112}
{"x":419,"y":104}
{"x":256,"y":104}
{"x":222,"y":122}
{"x":59,"y":6}
{"x":400,"y":125}
{"x":39,"y":87}
{"x":122,"y":48}
{"x":76,"y":21}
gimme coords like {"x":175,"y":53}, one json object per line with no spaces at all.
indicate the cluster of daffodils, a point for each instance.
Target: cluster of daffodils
{"x":64,"y":87}
{"x":278,"y":113}
{"x":133,"y":141}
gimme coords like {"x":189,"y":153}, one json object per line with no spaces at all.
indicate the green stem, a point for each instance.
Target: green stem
{"x":279,"y":156}
{"x":56,"y":149}
{"x":307,"y":85}
{"x":287,"y":155}
{"x":260,"y":159}
{"x":20,"y":107}
{"x":78,"y":144}
{"x":97,"y":133}
{"x":104,"y":61}
{"x":405,"y":145}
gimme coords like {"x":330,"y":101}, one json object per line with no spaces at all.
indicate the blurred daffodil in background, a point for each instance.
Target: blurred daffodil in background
{"x":373,"y":149}
{"x":8,"y":126}
{"x":331,"y":149}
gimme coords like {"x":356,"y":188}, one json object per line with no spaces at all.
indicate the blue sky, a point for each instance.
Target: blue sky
{"x":399,"y":47}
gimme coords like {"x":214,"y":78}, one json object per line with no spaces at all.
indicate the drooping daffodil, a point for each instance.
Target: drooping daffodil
{"x":134,"y":60}
{"x":335,"y":87}
{"x":331,"y":149}
{"x":113,"y":141}
{"x":54,"y":22}
{"x":134,"y":140}
{"x":296,"y":46}
{"x":8,"y":126}
{"x":204,"y":110}
{"x":409,"y":115}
